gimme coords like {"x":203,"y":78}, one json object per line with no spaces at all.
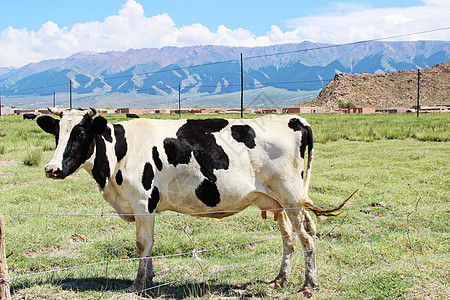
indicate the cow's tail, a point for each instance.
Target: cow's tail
{"x":309,"y":205}
{"x":325,"y":212}
{"x":310,"y":142}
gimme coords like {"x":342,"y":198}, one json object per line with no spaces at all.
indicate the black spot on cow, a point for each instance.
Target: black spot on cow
{"x":176,"y":152}
{"x":147,"y":176}
{"x":107,"y":135}
{"x":307,"y":136}
{"x":195,"y":137}
{"x":244,"y":134}
{"x":156,"y":159}
{"x":153,"y":200}
{"x":100,"y":171}
{"x":208,"y":193}
{"x":119,"y":178}
{"x":121,"y":142}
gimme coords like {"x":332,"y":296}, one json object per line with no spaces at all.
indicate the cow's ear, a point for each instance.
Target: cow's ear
{"x":48,"y":124}
{"x":98,"y":125}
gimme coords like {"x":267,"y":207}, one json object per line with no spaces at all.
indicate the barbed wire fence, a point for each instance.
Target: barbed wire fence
{"x":325,"y":244}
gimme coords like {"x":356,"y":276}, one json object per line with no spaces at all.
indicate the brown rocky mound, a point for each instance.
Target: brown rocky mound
{"x":396,"y":89}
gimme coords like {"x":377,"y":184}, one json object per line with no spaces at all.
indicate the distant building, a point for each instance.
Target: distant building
{"x":434,"y":109}
{"x":106,"y":111}
{"x":237,"y":111}
{"x":44,"y":111}
{"x":131,"y":110}
{"x":6,"y":111}
{"x":398,"y":110}
{"x":208,"y":110}
{"x":271,"y":111}
{"x":162,"y":111}
{"x":20,"y":111}
{"x":291,"y":110}
{"x":142,"y":111}
{"x":359,"y":110}
{"x":302,"y":110}
{"x":186,"y":111}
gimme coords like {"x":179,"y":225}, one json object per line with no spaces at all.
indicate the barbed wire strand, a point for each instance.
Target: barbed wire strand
{"x":190,"y":253}
{"x":214,"y":212}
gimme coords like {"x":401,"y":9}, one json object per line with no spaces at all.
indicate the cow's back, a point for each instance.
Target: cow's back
{"x":211,"y":165}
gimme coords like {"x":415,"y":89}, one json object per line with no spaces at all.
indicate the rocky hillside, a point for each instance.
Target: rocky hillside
{"x":395,"y":89}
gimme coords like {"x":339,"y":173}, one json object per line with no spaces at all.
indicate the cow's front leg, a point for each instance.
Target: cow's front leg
{"x":144,"y":240}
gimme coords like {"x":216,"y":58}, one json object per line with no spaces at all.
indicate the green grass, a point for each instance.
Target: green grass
{"x":365,"y":254}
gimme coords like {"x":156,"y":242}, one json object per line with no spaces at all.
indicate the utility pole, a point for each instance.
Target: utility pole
{"x":70,"y":94}
{"x":179,"y":101}
{"x":418,"y":91}
{"x":242,"y":89}
{"x":54,"y":99}
{"x":1,"y":106}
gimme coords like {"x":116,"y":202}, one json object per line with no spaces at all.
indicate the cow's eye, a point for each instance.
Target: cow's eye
{"x":80,"y":135}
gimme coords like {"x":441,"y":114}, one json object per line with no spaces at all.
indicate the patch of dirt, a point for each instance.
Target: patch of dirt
{"x":53,"y":251}
{"x":6,"y":164}
{"x":76,"y":237}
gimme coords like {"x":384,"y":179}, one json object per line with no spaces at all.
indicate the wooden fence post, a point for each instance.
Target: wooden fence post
{"x":4,"y":285}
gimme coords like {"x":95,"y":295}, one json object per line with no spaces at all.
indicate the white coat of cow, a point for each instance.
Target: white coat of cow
{"x":211,"y":168}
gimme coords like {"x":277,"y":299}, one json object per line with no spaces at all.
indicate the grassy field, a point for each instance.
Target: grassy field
{"x":391,"y":241}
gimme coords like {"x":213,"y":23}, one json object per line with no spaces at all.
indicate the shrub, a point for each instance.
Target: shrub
{"x":32,"y":157}
{"x":346,"y":105}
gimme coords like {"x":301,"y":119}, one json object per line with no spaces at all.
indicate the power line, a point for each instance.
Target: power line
{"x":236,"y":60}
{"x":349,"y":44}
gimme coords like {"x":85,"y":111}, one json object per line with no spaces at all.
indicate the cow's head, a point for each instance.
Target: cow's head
{"x":74,"y":134}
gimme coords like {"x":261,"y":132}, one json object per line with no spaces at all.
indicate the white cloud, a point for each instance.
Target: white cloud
{"x":354,"y":25}
{"x":130,"y":28}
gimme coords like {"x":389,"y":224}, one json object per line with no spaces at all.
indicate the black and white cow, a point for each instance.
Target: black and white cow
{"x":29,"y":116}
{"x":210,"y":168}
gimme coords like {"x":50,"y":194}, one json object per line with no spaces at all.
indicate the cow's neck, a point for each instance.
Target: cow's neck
{"x":99,"y":164}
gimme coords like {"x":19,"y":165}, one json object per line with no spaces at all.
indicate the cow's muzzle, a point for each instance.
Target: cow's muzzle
{"x":53,"y":172}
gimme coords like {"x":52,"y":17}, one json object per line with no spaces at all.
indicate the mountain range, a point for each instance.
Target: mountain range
{"x":209,"y":76}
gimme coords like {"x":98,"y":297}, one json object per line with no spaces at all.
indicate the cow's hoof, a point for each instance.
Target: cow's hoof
{"x":139,"y":287}
{"x":134,"y":289}
{"x":276,"y":283}
{"x":307,"y":290}
{"x":306,"y":293}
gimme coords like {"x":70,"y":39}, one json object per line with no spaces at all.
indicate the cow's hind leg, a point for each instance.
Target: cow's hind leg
{"x":144,"y":242}
{"x":310,"y":226}
{"x":288,"y":238}
{"x":300,"y":221}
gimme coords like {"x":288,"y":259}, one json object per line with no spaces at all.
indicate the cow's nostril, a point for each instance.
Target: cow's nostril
{"x":52,"y":171}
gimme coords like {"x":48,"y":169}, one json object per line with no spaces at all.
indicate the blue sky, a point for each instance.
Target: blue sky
{"x":32,"y":30}
{"x":256,"y":16}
